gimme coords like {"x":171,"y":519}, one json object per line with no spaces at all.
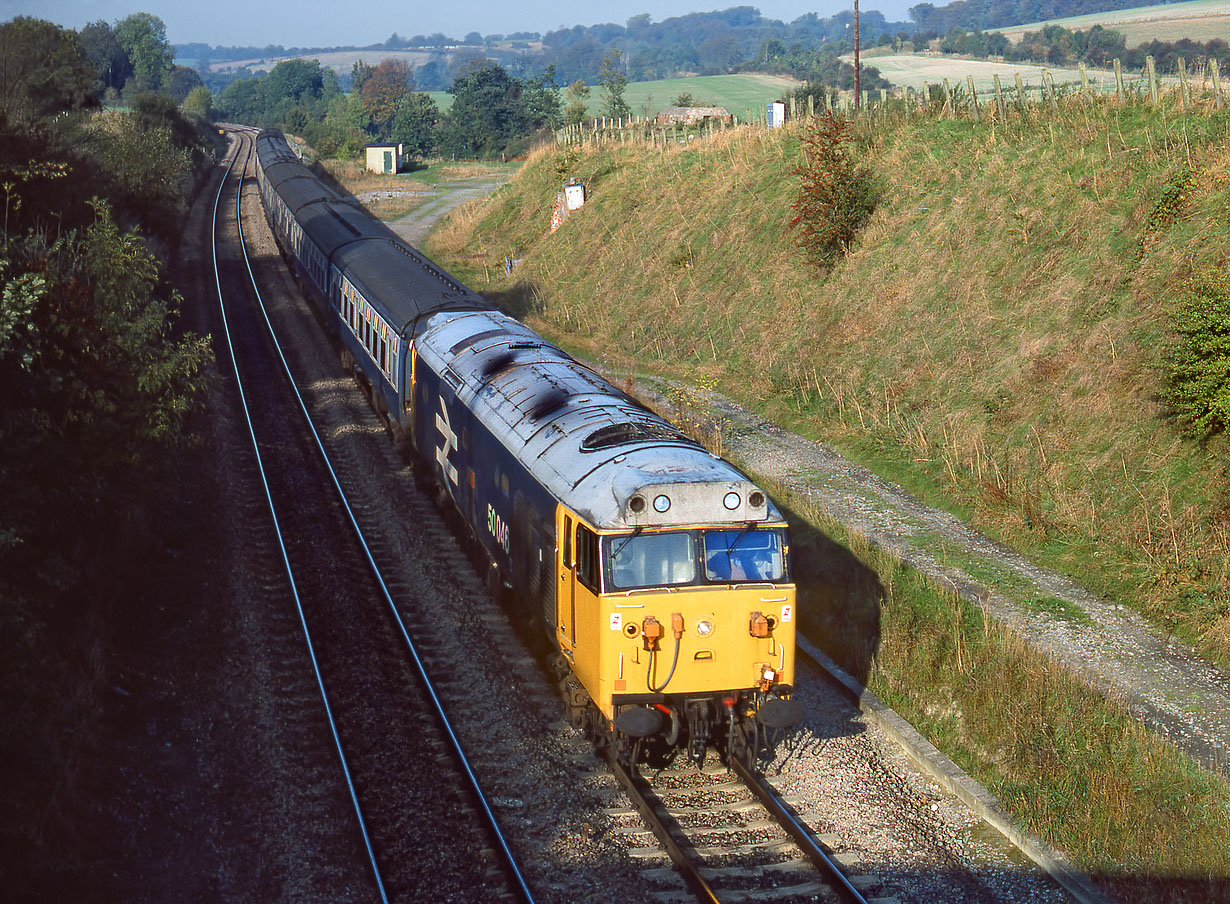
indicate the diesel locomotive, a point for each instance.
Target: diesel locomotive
{"x":660,"y":572}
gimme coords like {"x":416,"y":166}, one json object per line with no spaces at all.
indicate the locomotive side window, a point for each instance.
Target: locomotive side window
{"x":650,"y":560}
{"x":587,"y":557}
{"x":567,"y":540}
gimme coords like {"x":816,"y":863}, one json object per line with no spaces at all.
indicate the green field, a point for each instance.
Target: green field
{"x":737,"y":93}
{"x":1199,"y":20}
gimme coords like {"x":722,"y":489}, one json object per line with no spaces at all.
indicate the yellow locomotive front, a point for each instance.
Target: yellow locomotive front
{"x":681,"y":634}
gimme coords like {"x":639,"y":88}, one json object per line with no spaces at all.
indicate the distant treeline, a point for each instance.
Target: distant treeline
{"x":1096,"y":46}
{"x":738,"y":39}
{"x":733,"y":40}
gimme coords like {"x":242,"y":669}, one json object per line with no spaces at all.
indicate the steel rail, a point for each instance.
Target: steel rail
{"x":656,"y":816}
{"x":802,"y":835}
{"x":459,"y":752}
{"x":320,"y":684}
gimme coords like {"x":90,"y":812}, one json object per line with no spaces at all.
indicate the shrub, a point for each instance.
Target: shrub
{"x":1199,"y":372}
{"x":837,"y":195}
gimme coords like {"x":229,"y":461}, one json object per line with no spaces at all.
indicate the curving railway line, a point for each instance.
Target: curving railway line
{"x":373,"y":685}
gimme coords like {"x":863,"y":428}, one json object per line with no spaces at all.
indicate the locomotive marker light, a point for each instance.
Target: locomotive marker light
{"x":661,"y":504}
{"x":731,"y":501}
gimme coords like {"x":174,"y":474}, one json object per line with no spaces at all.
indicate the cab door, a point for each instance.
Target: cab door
{"x":563,"y":616}
{"x":577,"y":603}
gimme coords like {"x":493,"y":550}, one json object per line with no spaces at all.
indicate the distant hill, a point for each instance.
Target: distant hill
{"x":1196,"y":20}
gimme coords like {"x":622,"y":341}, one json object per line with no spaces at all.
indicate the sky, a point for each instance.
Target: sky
{"x":329,"y":23}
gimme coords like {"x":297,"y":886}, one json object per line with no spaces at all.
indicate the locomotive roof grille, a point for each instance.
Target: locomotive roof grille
{"x":629,"y":432}
{"x":469,"y":341}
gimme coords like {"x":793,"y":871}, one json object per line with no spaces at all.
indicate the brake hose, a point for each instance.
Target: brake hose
{"x":649,"y":675}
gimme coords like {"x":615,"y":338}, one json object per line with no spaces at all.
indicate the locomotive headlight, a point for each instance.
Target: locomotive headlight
{"x":704,"y":627}
{"x":731,"y":501}
{"x":768,"y":673}
{"x":661,"y":504}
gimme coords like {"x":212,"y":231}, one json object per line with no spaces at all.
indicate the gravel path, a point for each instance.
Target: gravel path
{"x":414,"y":226}
{"x":1165,"y":682}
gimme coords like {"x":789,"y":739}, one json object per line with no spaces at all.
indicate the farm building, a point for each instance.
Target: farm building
{"x":692,"y":115}
{"x":384,"y":158}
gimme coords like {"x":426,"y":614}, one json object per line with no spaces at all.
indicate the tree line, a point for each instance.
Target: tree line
{"x":1095,"y":46}
{"x":493,"y":114}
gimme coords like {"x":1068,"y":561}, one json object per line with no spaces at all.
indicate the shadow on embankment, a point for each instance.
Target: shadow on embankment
{"x":840,"y":598}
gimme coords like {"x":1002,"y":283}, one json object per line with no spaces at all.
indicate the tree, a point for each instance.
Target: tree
{"x":182,"y":81}
{"x":578,"y":102}
{"x":390,"y":81}
{"x":414,"y":124}
{"x":43,"y":71}
{"x":836,"y":196}
{"x":487,"y":113}
{"x":683,"y":99}
{"x":144,"y":39}
{"x":199,"y":102}
{"x":541,"y":100}
{"x":102,"y":48}
{"x":614,"y":83}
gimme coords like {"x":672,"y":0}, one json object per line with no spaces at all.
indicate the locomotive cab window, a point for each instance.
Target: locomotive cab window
{"x":649,"y":560}
{"x":743,"y":555}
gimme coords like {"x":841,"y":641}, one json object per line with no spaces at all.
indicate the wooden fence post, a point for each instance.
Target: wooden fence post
{"x":1213,"y":68}
{"x":949,"y":112}
{"x":811,"y":106}
{"x":973,"y":98}
{"x":1151,"y":70}
{"x":1000,"y":106}
{"x":1119,"y":92}
{"x":1020,"y":91}
{"x":1049,"y":84}
{"x":1184,"y":96}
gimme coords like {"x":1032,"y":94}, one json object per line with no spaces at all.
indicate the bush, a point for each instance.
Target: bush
{"x":1199,"y":372}
{"x":837,"y":195}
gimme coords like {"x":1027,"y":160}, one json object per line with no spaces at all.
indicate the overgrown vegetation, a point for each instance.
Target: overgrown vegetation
{"x":1199,"y":371}
{"x":95,"y":385}
{"x":836,"y":195}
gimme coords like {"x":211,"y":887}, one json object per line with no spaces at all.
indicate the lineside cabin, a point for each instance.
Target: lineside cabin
{"x":692,"y":115}
{"x":384,"y":158}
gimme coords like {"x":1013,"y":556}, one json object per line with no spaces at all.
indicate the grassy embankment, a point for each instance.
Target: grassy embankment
{"x":993,"y":343}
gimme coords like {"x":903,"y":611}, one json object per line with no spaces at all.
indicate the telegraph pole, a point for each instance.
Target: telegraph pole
{"x":858,"y":94}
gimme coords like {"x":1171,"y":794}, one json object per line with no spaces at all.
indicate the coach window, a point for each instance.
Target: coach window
{"x":587,"y":557}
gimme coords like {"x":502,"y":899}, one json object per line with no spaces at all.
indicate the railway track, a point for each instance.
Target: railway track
{"x":578,"y":835}
{"x":729,"y":837}
{"x":367,"y":671}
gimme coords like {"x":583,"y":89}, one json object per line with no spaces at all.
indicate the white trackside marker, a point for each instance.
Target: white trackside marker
{"x":450,"y":443}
